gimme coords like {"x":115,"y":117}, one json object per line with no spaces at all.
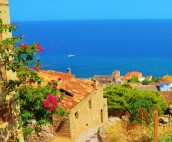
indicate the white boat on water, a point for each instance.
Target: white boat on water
{"x":70,"y":55}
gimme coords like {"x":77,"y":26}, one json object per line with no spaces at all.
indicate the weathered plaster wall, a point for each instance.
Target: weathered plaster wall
{"x":88,"y":117}
{"x":5,"y":16}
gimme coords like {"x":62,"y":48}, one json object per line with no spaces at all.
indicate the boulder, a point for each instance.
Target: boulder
{"x":163,"y":120}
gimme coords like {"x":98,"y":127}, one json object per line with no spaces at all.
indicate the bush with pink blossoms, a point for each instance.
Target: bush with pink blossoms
{"x":37,"y":102}
{"x":51,"y":102}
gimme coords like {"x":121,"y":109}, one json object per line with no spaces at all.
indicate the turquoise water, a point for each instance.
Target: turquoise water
{"x":101,"y":46}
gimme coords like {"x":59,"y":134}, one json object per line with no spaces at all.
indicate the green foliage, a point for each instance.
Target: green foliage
{"x":139,"y":103}
{"x":27,"y":131}
{"x":154,"y":79}
{"x":28,"y":88}
{"x":167,"y":138}
{"x":145,"y":82}
{"x":134,"y":79}
{"x":117,"y":97}
{"x":132,"y":100}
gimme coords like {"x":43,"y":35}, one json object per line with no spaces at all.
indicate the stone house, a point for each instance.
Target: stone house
{"x":84,"y":99}
{"x":104,"y":79}
{"x":116,"y":74}
{"x":133,"y":74}
{"x":165,"y":83}
{"x":115,"y":78}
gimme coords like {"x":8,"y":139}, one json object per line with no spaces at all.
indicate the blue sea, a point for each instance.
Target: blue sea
{"x":98,"y":47}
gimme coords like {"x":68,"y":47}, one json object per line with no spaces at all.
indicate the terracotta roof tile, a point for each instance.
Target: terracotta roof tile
{"x":148,"y":78}
{"x":154,"y":83}
{"x":48,"y":75}
{"x":80,"y":89}
{"x":133,"y":74}
{"x":77,"y":88}
{"x":124,"y":78}
{"x":166,"y":78}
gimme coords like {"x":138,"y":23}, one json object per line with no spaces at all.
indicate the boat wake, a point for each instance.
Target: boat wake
{"x":70,"y":55}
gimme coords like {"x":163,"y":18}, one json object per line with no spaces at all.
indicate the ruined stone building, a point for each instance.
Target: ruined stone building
{"x":84,"y":100}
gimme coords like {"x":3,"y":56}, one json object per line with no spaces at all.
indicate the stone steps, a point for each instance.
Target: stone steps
{"x":93,"y":138}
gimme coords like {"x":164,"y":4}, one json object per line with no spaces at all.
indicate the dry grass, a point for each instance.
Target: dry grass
{"x":122,"y":132}
{"x":163,"y":131}
{"x":138,"y":134}
{"x":60,"y":139}
{"x":115,"y":132}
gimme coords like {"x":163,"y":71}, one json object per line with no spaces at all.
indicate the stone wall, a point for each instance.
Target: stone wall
{"x":84,"y":116}
{"x":8,"y":116}
{"x":8,"y":121}
{"x":61,"y":126}
{"x":4,"y":15}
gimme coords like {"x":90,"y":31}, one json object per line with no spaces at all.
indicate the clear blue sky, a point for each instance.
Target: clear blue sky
{"x":30,"y":10}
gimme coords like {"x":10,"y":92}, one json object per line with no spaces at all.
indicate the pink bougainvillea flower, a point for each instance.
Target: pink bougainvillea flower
{"x":39,"y":47}
{"x":51,"y":102}
{"x":46,"y":103}
{"x":52,"y":108}
{"x":23,"y":46}
{"x":36,"y":68}
{"x":54,"y":86}
{"x":55,"y":104}
{"x":51,"y":98}
{"x":59,"y":78}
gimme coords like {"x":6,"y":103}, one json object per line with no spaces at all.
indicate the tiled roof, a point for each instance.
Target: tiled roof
{"x":166,"y":78}
{"x":145,"y":87}
{"x":80,"y":89}
{"x":48,"y":75}
{"x":124,"y":78}
{"x":76,"y":89}
{"x":148,"y":78}
{"x":154,"y":83}
{"x":104,"y":78}
{"x":116,"y":72}
{"x":133,"y":74}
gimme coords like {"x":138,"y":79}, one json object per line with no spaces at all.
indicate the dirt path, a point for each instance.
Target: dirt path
{"x":60,"y":139}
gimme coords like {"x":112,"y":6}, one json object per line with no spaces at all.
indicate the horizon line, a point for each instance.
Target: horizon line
{"x":49,"y":20}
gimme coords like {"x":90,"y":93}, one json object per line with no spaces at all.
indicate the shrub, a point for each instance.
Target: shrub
{"x":37,"y":102}
{"x":132,"y":100}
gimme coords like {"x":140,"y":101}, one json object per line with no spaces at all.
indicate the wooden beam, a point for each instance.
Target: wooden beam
{"x":155,"y":126}
{"x":3,"y":4}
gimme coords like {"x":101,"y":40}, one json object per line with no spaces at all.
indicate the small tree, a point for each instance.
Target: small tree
{"x":145,"y":82}
{"x":122,"y":97}
{"x":134,"y":79}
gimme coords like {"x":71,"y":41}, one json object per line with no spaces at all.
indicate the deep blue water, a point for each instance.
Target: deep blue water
{"x":102,"y":46}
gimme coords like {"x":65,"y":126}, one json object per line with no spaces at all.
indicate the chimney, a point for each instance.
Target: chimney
{"x":95,"y":83}
{"x":68,"y":71}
